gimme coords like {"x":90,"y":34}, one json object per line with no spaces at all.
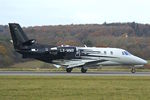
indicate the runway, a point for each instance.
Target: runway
{"x":31,"y":73}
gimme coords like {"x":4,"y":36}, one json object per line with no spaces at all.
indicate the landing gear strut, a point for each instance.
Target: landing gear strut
{"x":68,"y":70}
{"x":83,"y":70}
{"x":133,"y":70}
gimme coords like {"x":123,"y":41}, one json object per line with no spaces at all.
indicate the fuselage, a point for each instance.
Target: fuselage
{"x":113,"y":56}
{"x":62,"y":54}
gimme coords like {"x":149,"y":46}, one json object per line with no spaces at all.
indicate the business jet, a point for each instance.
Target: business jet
{"x":70,"y":56}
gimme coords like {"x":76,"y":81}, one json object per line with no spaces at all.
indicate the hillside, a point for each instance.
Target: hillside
{"x":133,"y":37}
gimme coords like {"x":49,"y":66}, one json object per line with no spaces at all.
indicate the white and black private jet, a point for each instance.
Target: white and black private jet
{"x":70,"y":56}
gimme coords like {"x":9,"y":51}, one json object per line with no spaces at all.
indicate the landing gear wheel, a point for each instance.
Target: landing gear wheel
{"x":68,"y":70}
{"x":83,"y":70}
{"x":133,"y":70}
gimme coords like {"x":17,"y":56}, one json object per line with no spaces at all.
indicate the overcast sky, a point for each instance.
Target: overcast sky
{"x":56,"y":12}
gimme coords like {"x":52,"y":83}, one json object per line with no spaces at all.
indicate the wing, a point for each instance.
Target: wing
{"x":77,"y":62}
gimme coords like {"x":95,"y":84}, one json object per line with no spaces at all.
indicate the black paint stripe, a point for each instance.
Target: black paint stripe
{"x":99,"y":56}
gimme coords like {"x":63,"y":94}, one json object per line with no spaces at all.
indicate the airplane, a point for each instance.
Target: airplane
{"x":71,"y":56}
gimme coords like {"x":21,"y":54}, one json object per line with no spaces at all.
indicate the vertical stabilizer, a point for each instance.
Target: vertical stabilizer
{"x":18,"y":35}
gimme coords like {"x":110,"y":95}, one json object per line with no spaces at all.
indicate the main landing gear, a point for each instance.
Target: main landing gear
{"x":83,"y":70}
{"x":68,"y":70}
{"x":133,"y":70}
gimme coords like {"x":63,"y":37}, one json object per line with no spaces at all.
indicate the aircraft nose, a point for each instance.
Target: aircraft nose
{"x":144,"y":61}
{"x":141,"y":61}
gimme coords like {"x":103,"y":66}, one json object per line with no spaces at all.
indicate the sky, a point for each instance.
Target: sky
{"x":62,"y":12}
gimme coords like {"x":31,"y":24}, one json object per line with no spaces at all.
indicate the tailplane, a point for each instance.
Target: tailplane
{"x":18,"y":36}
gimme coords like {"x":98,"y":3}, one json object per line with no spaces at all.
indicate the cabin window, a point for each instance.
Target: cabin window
{"x":34,"y":50}
{"x":46,"y":49}
{"x":105,"y":52}
{"x":111,"y":52}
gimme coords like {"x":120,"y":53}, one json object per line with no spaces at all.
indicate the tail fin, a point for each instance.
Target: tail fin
{"x":19,"y":37}
{"x":17,"y":34}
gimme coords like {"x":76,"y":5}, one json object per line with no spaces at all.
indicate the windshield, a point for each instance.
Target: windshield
{"x":125,"y":53}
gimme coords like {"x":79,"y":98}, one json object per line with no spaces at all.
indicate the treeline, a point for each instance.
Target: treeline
{"x":133,"y":37}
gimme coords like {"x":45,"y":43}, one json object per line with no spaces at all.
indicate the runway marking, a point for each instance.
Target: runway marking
{"x":30,"y":73}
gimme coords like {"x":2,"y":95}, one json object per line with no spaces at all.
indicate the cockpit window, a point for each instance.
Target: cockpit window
{"x":105,"y":52}
{"x":125,"y":53}
{"x":122,"y":53}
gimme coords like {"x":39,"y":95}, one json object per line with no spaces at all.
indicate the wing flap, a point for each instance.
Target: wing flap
{"x":76,"y":63}
{"x":86,"y":63}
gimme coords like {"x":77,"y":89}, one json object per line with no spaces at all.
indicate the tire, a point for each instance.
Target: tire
{"x":83,"y":70}
{"x":133,"y":70}
{"x":68,"y":70}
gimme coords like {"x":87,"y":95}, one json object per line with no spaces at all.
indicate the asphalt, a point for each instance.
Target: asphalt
{"x":30,"y":73}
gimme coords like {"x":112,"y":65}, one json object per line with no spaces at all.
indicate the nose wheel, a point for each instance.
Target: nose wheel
{"x":133,"y":70}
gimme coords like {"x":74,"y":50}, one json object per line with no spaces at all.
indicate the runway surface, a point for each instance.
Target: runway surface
{"x":30,"y":73}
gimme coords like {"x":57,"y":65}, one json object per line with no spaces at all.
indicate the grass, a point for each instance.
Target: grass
{"x":74,"y":88}
{"x":36,"y":65}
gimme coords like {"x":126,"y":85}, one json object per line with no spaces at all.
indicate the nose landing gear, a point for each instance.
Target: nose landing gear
{"x":133,"y":70}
